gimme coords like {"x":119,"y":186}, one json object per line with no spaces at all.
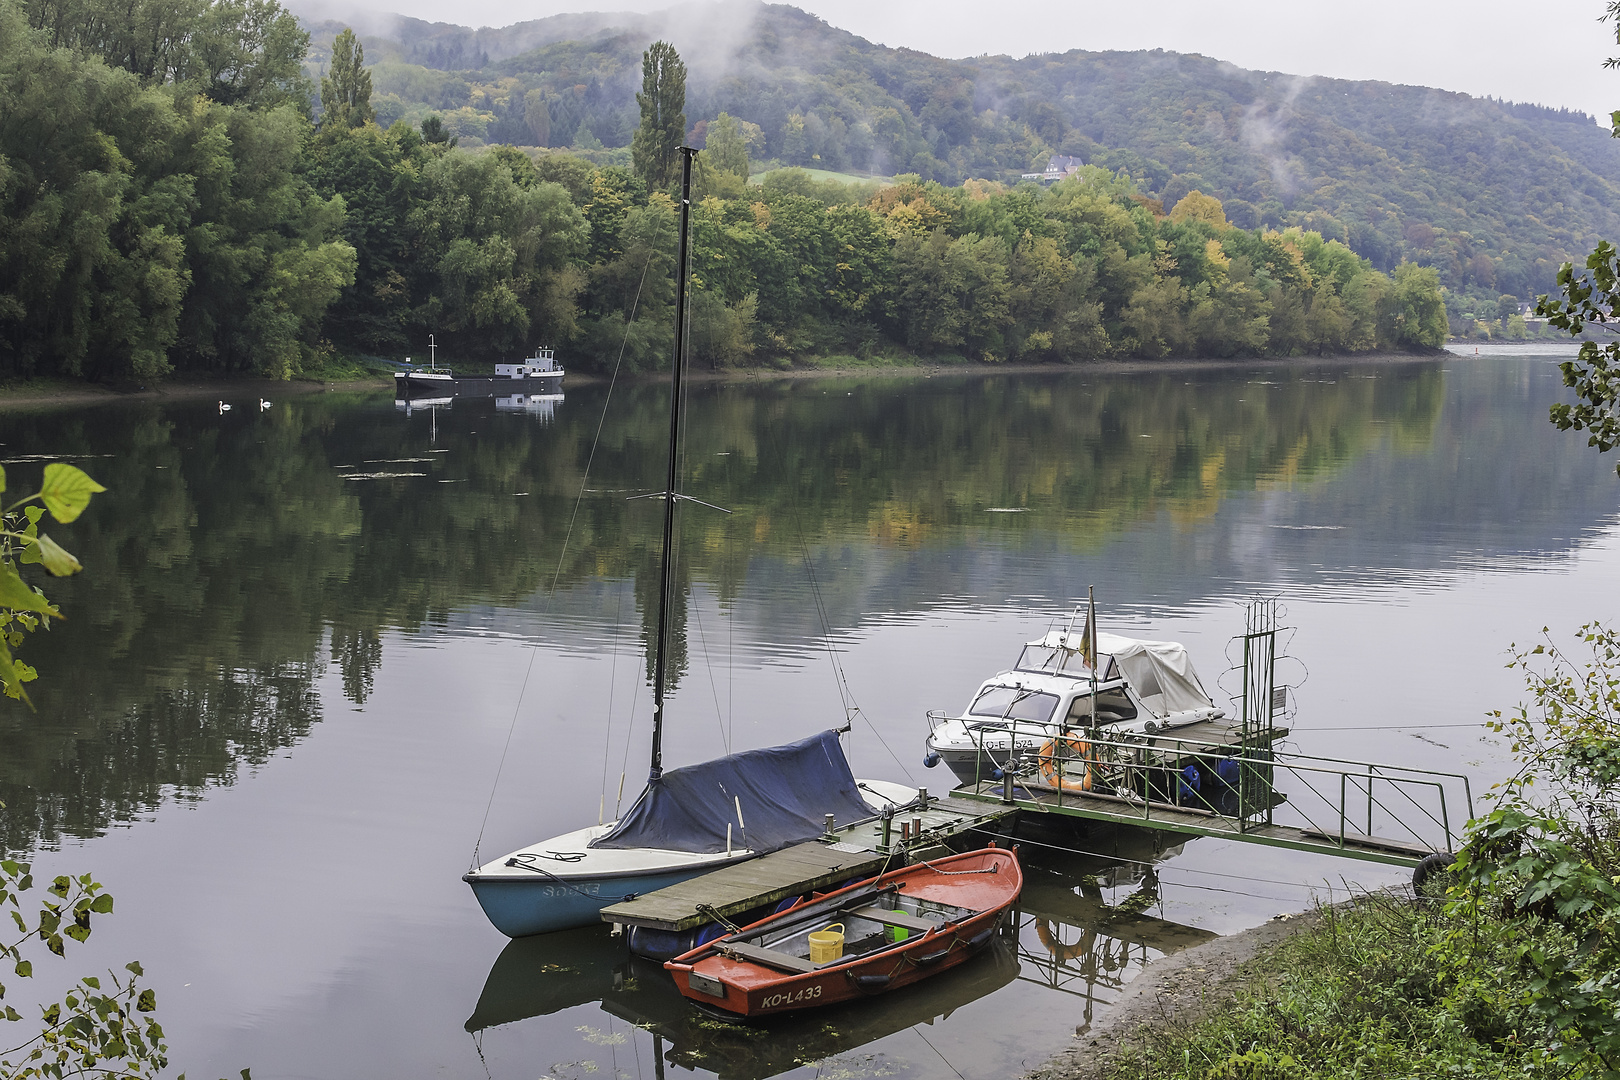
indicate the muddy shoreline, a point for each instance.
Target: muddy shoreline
{"x":1175,"y":990}
{"x":47,"y":394}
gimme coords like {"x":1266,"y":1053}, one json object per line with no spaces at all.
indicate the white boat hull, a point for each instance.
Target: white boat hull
{"x":563,"y":882}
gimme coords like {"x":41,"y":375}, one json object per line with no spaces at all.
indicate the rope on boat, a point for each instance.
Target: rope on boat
{"x":993,"y":869}
{"x":516,"y":864}
{"x":715,"y":916}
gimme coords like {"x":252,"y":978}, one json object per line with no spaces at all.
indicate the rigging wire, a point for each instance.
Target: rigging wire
{"x":613,"y":682}
{"x":714,"y":689}
{"x":624,"y":762}
{"x":562,"y":557}
{"x":1395,"y":727}
{"x":846,"y":696}
{"x":731,"y":652}
{"x":935,"y":1049}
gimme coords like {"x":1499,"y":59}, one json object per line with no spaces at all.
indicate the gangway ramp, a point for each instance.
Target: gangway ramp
{"x":1358,"y":810}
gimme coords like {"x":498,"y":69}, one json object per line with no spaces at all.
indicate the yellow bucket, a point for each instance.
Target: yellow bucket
{"x":827,"y":944}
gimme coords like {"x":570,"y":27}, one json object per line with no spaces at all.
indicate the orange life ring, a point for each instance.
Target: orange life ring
{"x":1061,"y":952}
{"x":1051,"y":765}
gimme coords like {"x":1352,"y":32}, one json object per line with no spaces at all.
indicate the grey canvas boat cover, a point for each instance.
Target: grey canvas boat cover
{"x":785,"y":793}
{"x":1160,"y":672}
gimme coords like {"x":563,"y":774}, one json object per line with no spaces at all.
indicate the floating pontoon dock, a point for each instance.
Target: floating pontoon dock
{"x":856,"y":851}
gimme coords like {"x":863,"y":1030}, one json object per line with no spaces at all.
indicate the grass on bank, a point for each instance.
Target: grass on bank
{"x":1373,"y":989}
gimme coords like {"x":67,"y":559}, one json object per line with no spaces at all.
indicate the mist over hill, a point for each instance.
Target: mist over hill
{"x":1493,"y":194}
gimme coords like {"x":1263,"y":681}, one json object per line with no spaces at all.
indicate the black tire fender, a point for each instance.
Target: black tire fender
{"x":1429,"y":866}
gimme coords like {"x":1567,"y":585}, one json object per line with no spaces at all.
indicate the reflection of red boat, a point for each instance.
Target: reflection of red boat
{"x":897,"y":929}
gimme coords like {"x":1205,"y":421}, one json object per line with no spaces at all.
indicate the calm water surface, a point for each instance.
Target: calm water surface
{"x":273,"y":721}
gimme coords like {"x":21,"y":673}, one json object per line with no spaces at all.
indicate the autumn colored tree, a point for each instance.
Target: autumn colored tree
{"x":1196,"y":206}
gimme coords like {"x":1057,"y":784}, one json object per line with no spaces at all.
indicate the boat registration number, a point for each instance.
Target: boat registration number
{"x":807,"y":993}
{"x":705,"y":985}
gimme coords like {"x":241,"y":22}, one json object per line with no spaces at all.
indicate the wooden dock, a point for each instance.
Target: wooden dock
{"x":853,"y":852}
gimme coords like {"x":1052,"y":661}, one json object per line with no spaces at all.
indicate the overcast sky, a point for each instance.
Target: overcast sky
{"x":1522,"y":51}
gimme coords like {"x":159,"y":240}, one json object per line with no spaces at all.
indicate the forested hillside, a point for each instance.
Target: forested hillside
{"x":177,"y":195}
{"x":1494,"y":195}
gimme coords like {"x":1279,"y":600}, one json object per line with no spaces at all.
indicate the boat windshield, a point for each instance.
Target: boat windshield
{"x":1011,"y":703}
{"x":1052,"y":660}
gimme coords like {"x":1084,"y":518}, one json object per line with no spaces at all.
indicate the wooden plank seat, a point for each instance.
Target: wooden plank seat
{"x":781,"y":961}
{"x":890,"y":917}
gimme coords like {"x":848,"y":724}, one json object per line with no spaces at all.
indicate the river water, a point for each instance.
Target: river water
{"x":307,"y":637}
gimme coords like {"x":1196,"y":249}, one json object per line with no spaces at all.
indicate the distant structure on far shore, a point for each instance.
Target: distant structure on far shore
{"x":1057,"y":167}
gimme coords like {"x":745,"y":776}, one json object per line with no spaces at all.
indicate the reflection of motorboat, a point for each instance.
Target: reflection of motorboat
{"x":894,"y":930}
{"x":1135,"y":687}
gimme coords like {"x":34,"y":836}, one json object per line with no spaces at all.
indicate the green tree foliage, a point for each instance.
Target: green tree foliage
{"x":1594,"y":374}
{"x":64,"y":493}
{"x":147,"y":227}
{"x":237,"y":52}
{"x":1084,"y":269}
{"x":725,"y":148}
{"x":1537,"y":900}
{"x":94,"y":1030}
{"x":663,"y":115}
{"x":346,"y":87}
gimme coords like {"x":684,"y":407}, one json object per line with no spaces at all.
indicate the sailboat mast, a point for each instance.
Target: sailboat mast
{"x":667,"y":555}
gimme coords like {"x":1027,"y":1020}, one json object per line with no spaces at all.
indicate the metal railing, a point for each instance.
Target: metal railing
{"x":1236,"y":787}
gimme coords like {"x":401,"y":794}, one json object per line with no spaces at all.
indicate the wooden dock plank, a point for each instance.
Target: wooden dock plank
{"x":735,"y":889}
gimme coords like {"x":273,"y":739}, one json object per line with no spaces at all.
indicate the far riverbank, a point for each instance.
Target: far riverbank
{"x":48,"y":393}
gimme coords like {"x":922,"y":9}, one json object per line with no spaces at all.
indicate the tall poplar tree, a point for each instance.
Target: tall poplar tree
{"x":663,"y":115}
{"x":346,"y":87}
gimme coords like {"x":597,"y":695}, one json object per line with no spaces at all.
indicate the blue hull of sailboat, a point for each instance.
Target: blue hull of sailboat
{"x":520,"y":908}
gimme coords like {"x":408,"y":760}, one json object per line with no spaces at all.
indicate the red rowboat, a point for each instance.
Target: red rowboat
{"x":897,"y":928}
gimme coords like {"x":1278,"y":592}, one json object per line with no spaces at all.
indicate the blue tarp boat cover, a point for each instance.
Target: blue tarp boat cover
{"x":785,"y":791}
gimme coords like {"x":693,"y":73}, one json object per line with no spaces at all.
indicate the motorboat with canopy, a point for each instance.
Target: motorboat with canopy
{"x":1133,"y":687}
